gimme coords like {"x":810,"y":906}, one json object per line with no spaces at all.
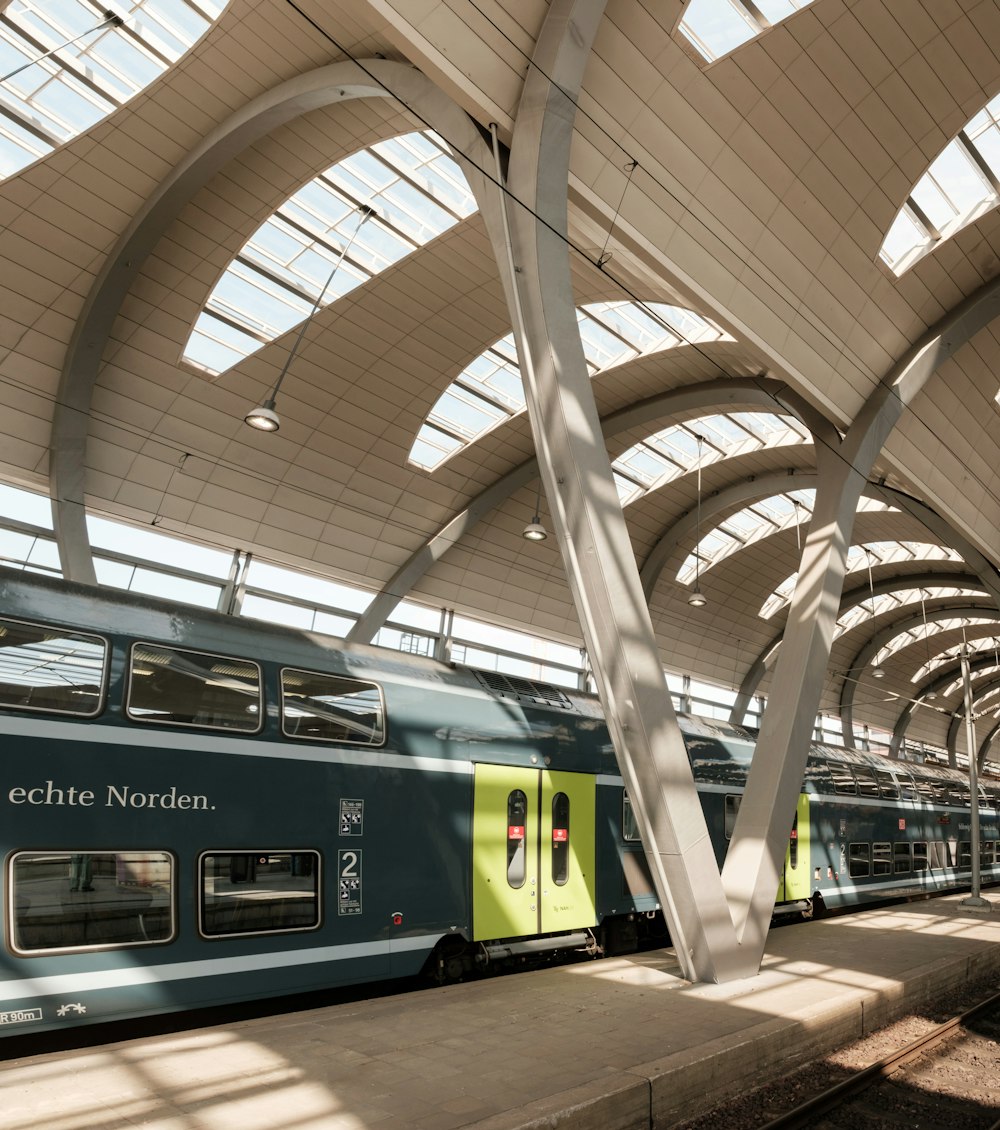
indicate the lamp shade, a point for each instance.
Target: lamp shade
{"x":534,"y":531}
{"x":697,"y":599}
{"x":264,"y":418}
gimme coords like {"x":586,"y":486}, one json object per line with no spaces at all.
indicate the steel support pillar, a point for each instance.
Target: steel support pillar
{"x":586,"y":513}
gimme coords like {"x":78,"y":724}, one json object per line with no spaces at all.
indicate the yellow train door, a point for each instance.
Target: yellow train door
{"x":533,"y":852}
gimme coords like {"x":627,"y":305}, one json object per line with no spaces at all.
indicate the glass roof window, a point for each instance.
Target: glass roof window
{"x":858,"y":558}
{"x":755,"y":522}
{"x":751,"y":524}
{"x":950,"y":655}
{"x":871,"y":607}
{"x":417,"y":192}
{"x":716,"y":27}
{"x":673,"y":452}
{"x":100,"y":57}
{"x":489,"y":390}
{"x":961,"y":184}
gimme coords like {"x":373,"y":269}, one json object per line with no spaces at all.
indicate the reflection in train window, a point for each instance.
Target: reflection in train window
{"x":843,"y":777}
{"x":859,"y":861}
{"x":920,"y":860}
{"x":190,"y":688}
{"x":79,"y":900}
{"x":867,"y":781}
{"x":964,"y":855}
{"x":50,"y":669}
{"x":517,"y":821}
{"x":630,"y":829}
{"x":887,"y":784}
{"x":331,"y":708}
{"x":881,"y":859}
{"x":732,"y":811}
{"x":901,"y":858}
{"x":253,"y":892}
{"x":560,"y":839}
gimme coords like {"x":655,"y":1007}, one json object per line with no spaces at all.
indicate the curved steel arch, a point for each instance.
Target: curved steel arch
{"x":874,"y":644}
{"x":942,"y":530}
{"x":958,"y":717}
{"x":338,"y":82}
{"x":757,"y":391}
{"x":932,"y":687}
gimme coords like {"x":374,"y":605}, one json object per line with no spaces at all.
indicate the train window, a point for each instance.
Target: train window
{"x":887,"y":784}
{"x":190,"y":688}
{"x":630,"y":829}
{"x":881,"y":859}
{"x":560,"y":839}
{"x":867,"y":781}
{"x":920,"y":861}
{"x":957,"y":791}
{"x":940,"y":855}
{"x":927,"y":787}
{"x":964,"y":855}
{"x":51,"y":669}
{"x":62,"y":900}
{"x":993,"y":795}
{"x":331,"y":708}
{"x":987,"y":853}
{"x":517,"y":820}
{"x":732,"y":811}
{"x":259,"y":892}
{"x":843,"y":777}
{"x":901,"y":858}
{"x":907,"y":785}
{"x":859,"y":861}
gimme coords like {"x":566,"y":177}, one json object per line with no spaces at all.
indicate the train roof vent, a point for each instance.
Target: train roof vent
{"x":523,"y":690}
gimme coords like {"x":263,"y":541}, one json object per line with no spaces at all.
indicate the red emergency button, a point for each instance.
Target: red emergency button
{"x":397,"y":919}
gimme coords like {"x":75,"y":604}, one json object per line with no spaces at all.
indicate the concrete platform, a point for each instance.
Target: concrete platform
{"x":613,"y":1045}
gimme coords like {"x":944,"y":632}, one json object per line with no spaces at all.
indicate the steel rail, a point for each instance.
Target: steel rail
{"x":805,"y":1113}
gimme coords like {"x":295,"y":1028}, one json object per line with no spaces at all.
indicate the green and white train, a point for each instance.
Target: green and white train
{"x":199,"y":809}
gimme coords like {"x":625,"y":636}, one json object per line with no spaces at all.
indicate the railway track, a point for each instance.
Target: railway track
{"x":944,"y":1078}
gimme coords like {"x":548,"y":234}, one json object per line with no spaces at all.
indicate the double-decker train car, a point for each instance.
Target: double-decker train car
{"x":200,"y":809}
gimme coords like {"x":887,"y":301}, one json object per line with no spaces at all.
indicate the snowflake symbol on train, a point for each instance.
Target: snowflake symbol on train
{"x":66,"y":1009}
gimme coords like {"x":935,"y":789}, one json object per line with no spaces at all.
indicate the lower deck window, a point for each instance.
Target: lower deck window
{"x":901,"y":858}
{"x":254,"y":892}
{"x":83,"y":900}
{"x":882,"y":859}
{"x":920,"y":860}
{"x":859,"y":861}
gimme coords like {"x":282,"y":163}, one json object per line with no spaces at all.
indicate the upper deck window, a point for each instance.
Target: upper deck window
{"x":71,"y":64}
{"x":190,"y":688}
{"x":331,"y":708}
{"x":45,"y":668}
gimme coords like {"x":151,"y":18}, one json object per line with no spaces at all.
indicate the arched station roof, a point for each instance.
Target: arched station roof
{"x":754,"y":185}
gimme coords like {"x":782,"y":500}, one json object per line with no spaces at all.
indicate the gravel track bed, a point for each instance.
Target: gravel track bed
{"x":968,"y":1078}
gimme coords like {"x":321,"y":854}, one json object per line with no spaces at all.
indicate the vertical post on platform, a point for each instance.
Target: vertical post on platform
{"x":974,"y":901}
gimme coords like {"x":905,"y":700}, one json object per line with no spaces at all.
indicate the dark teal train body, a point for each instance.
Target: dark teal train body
{"x":199,"y":809}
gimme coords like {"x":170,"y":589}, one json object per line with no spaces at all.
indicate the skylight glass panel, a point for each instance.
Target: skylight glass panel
{"x":674,"y":451}
{"x":297,"y":257}
{"x":951,"y":186}
{"x":716,"y":27}
{"x":962,"y":181}
{"x":755,"y":522}
{"x":948,"y":656}
{"x":881,"y":553}
{"x":611,"y":333}
{"x":54,"y":99}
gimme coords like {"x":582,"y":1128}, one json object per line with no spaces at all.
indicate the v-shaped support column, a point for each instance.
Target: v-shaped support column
{"x":587,"y":515}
